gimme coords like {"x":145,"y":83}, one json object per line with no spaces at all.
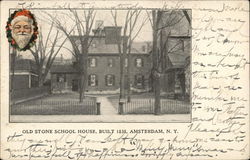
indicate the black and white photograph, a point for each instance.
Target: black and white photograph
{"x":124,"y":80}
{"x":100,"y":65}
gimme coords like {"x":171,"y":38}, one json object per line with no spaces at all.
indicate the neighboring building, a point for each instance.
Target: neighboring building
{"x":188,"y":76}
{"x":63,"y":78}
{"x":25,"y":74}
{"x":175,"y":43}
{"x":104,"y":65}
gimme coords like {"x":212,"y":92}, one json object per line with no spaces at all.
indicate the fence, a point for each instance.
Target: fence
{"x":146,"y":106}
{"x":50,"y":107}
{"x":29,"y":93}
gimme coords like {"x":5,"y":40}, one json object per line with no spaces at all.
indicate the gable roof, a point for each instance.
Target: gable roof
{"x":25,"y":65}
{"x":178,"y":59}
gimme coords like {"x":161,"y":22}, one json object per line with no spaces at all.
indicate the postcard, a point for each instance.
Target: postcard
{"x":124,"y":80}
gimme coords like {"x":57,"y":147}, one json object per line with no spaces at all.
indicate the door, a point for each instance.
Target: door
{"x":75,"y":84}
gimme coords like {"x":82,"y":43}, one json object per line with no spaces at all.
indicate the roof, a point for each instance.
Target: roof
{"x":176,"y":22}
{"x":63,"y":69}
{"x":99,"y":46}
{"x":178,"y":59}
{"x":25,"y":65}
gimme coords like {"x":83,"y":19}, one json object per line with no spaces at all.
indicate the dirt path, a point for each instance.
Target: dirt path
{"x":106,"y":106}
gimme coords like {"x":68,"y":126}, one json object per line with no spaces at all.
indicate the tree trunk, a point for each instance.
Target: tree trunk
{"x":81,"y":78}
{"x":157,"y":110}
{"x":40,"y":79}
{"x":121,"y":76}
{"x":128,"y":68}
{"x":156,"y":77}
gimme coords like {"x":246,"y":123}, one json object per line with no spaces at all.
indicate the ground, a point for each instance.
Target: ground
{"x":56,"y":105}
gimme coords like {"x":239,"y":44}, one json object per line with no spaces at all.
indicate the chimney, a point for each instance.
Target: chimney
{"x":112,"y":35}
{"x":99,"y":24}
{"x":98,"y":30}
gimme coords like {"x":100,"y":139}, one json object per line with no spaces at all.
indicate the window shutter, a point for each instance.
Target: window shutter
{"x":65,"y":78}
{"x":113,"y":80}
{"x":57,"y":77}
{"x":135,"y":62}
{"x":142,"y":77}
{"x":89,"y":79}
{"x":96,"y":80}
{"x":106,"y":80}
{"x":96,"y":62}
{"x":142,"y":62}
{"x":135,"y":80}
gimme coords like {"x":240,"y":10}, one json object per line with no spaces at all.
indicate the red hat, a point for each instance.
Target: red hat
{"x":23,"y":13}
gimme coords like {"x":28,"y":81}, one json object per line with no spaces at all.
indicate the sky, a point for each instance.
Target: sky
{"x":44,"y":23}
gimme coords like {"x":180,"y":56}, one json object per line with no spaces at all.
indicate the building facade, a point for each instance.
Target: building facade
{"x":104,"y":67}
{"x":24,"y":75}
{"x":174,"y":43}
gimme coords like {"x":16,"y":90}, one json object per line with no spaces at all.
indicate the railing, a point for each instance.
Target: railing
{"x":146,"y":106}
{"x":50,"y":107}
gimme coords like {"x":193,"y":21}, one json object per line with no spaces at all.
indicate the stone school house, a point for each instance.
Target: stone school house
{"x":104,"y":67}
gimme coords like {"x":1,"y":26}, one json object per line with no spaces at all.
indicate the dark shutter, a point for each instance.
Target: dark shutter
{"x":135,"y":80}
{"x":57,"y":77}
{"x":89,"y":79}
{"x":96,"y":80}
{"x":142,"y":77}
{"x":64,"y":77}
{"x":142,"y":62}
{"x":113,"y":80}
{"x":106,"y":80}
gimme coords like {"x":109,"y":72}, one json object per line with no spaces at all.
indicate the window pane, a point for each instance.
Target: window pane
{"x":92,"y":62}
{"x":138,"y":62}
{"x":139,"y":80}
{"x":92,"y":80}
{"x":126,"y":62}
{"x":110,"y":62}
{"x":110,"y":80}
{"x":61,"y":78}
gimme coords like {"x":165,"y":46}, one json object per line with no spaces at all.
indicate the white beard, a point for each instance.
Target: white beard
{"x":22,"y":40}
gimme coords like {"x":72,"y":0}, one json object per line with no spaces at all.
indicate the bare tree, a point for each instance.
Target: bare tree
{"x":81,"y":43}
{"x":161,"y":50}
{"x":125,"y":45}
{"x":45,"y":53}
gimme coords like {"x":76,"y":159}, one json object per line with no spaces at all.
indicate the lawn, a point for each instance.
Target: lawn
{"x":56,"y":104}
{"x":144,"y":104}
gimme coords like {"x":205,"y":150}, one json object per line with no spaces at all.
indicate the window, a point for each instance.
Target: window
{"x":182,"y":44}
{"x":61,"y":77}
{"x":92,"y":62}
{"x":110,"y":80}
{"x":138,"y":62}
{"x":139,"y":80}
{"x":143,"y":48}
{"x":93,"y":80}
{"x":126,"y":62}
{"x":110,"y":62}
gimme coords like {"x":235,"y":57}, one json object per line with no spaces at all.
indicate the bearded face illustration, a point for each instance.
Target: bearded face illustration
{"x":22,"y":30}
